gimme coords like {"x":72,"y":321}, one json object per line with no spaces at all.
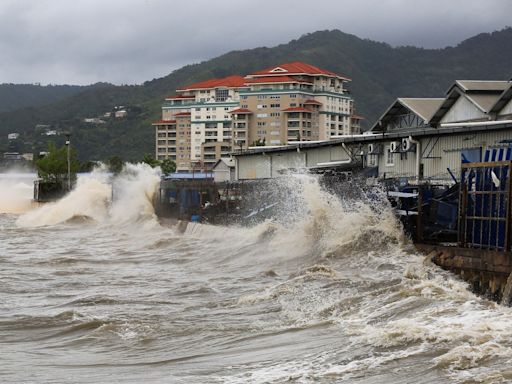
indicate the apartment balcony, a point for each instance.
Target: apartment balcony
{"x":209,"y":158}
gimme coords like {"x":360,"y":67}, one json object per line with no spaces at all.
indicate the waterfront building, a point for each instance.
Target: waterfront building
{"x":415,"y":140}
{"x":293,"y":102}
{"x":197,"y":123}
{"x":276,"y":106}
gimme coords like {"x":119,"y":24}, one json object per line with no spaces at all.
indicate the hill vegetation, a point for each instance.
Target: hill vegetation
{"x":18,"y":96}
{"x":379,"y":73}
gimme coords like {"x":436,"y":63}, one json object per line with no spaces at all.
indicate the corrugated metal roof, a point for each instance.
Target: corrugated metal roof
{"x":229,"y":161}
{"x":483,"y":85}
{"x":423,"y":107}
{"x":504,"y":98}
{"x":483,"y":101}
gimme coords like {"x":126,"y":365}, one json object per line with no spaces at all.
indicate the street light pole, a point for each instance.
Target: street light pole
{"x":68,"y":145}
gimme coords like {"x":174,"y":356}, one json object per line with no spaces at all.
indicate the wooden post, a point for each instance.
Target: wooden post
{"x":462,"y":213}
{"x":419,"y":222}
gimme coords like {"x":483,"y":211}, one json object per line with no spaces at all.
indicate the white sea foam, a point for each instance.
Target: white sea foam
{"x":92,"y":198}
{"x":16,"y":190}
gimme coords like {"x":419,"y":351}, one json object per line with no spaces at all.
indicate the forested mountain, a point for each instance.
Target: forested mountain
{"x":379,"y":74}
{"x":17,"y":96}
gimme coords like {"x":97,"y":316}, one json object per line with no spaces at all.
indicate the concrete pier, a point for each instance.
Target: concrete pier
{"x":487,"y":271}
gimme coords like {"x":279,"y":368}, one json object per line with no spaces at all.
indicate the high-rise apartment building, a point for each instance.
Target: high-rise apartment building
{"x":290,"y":102}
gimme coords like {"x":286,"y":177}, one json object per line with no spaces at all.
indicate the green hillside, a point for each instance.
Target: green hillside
{"x":379,"y":74}
{"x":17,"y":96}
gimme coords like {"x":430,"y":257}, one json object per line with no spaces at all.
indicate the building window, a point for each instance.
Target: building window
{"x":221,"y":94}
{"x":293,"y":96}
{"x":389,"y":157}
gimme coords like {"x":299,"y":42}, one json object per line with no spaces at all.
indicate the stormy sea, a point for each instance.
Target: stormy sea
{"x":94,"y":290}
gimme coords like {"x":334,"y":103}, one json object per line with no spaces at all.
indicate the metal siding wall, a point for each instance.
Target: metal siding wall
{"x":445,"y":154}
{"x":325,"y":155}
{"x":404,"y":164}
{"x":253,"y":167}
{"x":449,"y":149}
{"x":287,"y":160}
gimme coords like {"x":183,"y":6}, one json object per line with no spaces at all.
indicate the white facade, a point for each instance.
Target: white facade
{"x":210,"y":122}
{"x":507,"y":110}
{"x":224,"y":170}
{"x":463,"y":110}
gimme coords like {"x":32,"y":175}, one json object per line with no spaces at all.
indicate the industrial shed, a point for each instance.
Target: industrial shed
{"x":415,"y":138}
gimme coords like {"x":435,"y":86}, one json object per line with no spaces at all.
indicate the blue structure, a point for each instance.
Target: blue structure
{"x":485,"y":194}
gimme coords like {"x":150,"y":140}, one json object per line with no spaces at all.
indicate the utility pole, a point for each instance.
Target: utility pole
{"x":68,"y":145}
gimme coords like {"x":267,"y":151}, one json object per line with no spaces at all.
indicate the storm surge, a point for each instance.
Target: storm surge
{"x":16,"y":190}
{"x":328,"y":290}
{"x":92,"y":199}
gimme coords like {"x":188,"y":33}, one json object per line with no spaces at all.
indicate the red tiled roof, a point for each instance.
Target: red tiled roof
{"x":230,"y":82}
{"x":182,"y":114}
{"x":311,"y":101}
{"x":179,"y":97}
{"x":297,"y":109}
{"x":241,"y":110}
{"x":164,"y":122}
{"x":275,"y":79}
{"x":296,"y":68}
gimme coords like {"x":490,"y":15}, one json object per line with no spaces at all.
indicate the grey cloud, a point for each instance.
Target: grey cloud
{"x":130,"y":41}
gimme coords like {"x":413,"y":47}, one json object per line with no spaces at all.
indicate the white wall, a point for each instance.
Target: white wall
{"x":507,"y":110}
{"x":463,"y":110}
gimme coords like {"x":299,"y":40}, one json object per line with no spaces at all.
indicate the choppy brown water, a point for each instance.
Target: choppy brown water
{"x":98,"y":293}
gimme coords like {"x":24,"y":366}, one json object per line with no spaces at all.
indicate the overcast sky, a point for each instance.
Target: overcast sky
{"x":131,"y":41}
